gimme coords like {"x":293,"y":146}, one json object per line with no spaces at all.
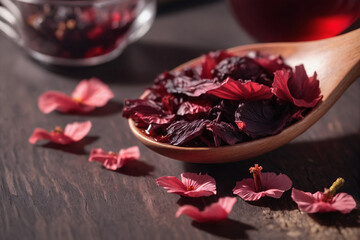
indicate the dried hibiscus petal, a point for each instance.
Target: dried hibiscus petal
{"x":262,"y":118}
{"x":193,"y":108}
{"x":271,"y":63}
{"x":224,"y":100}
{"x":181,"y":132}
{"x":236,"y":90}
{"x":297,"y":88}
{"x":226,"y":132}
{"x":190,"y":87}
{"x":210,"y":61}
{"x":236,"y":68}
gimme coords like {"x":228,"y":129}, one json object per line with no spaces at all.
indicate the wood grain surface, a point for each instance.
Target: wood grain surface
{"x":51,"y":192}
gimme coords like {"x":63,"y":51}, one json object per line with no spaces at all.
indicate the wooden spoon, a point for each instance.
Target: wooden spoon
{"x":336,"y":61}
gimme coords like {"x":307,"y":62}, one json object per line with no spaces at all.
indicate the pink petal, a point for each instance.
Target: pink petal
{"x":311,"y":203}
{"x":41,"y":134}
{"x":343,"y":203}
{"x":191,"y":185}
{"x":77,"y":130}
{"x":114,"y":161}
{"x":236,"y":90}
{"x":246,"y":190}
{"x":203,"y":185}
{"x":127,"y":155}
{"x":93,"y":92}
{"x":307,"y":202}
{"x":107,"y":159}
{"x":275,"y":185}
{"x":172,"y":184}
{"x":227,"y":203}
{"x":215,"y":212}
{"x":52,"y":100}
{"x":99,"y":155}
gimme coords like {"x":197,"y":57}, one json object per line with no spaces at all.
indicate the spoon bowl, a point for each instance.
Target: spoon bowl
{"x":336,"y":61}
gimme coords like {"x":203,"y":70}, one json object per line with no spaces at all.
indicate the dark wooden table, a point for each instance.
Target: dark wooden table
{"x":50,"y":192}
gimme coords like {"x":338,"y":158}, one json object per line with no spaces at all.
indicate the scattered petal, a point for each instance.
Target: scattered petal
{"x":88,"y":95}
{"x":272,"y":185}
{"x":74,"y":132}
{"x":114,"y":161}
{"x":93,"y":92}
{"x":323,"y":201}
{"x":191,"y":185}
{"x":215,"y":212}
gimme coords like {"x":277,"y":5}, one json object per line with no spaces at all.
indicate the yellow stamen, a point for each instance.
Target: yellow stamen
{"x":78,"y":100}
{"x":256,"y":171}
{"x":190,"y":188}
{"x":71,"y":23}
{"x":58,"y":130}
{"x":329,"y":193}
{"x":336,"y":186}
{"x":111,"y":153}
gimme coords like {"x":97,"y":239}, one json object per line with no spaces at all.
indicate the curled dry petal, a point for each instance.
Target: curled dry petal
{"x":191,"y":185}
{"x":272,"y":186}
{"x":312,"y":203}
{"x":297,"y":88}
{"x":74,"y":132}
{"x":215,"y":212}
{"x":271,"y":63}
{"x":114,"y":161}
{"x":88,"y":95}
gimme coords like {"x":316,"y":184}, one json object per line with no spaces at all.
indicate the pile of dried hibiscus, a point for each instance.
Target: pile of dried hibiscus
{"x":224,"y":100}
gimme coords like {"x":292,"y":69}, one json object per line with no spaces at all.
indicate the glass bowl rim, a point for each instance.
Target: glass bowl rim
{"x":74,"y":2}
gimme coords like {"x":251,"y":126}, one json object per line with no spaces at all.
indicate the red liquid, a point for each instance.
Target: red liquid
{"x":77,"y":32}
{"x":295,"y":20}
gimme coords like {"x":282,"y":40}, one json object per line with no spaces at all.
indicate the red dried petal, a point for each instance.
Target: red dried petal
{"x":236,"y":90}
{"x":297,"y":88}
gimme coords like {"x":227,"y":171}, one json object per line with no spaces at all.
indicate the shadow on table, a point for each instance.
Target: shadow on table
{"x":227,"y":228}
{"x":310,"y":165}
{"x":136,"y":168}
{"x":111,"y":108}
{"x":199,"y":202}
{"x":274,"y":204}
{"x":74,"y":148}
{"x":338,"y":219}
{"x":140,"y":63}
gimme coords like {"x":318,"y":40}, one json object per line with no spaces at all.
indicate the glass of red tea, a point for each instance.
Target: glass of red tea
{"x":294,"y":20}
{"x":76,"y":32}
